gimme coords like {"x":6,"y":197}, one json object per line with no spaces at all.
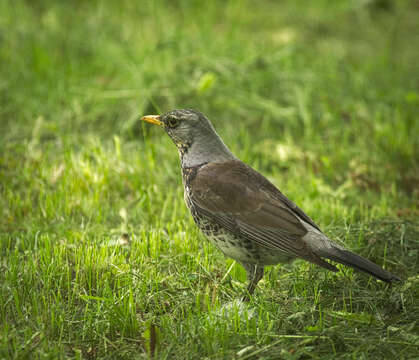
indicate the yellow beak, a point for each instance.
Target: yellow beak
{"x":153,"y":119}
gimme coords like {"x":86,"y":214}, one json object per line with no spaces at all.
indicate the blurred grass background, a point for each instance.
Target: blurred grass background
{"x":99,"y":256}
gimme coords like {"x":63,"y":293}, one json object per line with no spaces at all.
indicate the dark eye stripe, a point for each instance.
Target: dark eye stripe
{"x":172,"y":122}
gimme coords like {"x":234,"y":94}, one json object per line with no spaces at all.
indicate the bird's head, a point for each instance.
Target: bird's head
{"x":194,"y":136}
{"x":183,"y":126}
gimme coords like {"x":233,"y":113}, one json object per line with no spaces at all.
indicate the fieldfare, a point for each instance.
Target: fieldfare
{"x":241,"y":212}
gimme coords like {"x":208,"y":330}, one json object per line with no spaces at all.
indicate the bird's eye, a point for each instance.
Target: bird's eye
{"x":172,"y":122}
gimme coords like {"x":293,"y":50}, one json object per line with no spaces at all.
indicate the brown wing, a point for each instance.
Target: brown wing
{"x":244,"y":202}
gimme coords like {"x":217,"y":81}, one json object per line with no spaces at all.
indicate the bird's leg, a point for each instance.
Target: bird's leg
{"x":254,"y":274}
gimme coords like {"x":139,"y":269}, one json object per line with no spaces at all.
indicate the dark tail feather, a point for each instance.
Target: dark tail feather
{"x":355,"y":261}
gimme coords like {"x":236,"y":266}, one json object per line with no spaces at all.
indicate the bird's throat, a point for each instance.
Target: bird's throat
{"x":205,"y":151}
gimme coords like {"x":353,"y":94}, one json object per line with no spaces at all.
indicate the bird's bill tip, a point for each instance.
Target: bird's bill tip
{"x":153,"y":119}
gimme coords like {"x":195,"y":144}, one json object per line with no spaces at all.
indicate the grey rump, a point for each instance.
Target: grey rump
{"x":241,"y":212}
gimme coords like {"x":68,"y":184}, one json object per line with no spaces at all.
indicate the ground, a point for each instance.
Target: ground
{"x":99,"y":257}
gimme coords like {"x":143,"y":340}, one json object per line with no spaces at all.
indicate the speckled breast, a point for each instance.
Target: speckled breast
{"x":230,"y":244}
{"x":207,"y":226}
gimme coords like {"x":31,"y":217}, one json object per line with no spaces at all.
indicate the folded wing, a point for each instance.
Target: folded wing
{"x":243,"y":202}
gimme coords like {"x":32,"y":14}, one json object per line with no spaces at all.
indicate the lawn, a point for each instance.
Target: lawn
{"x":99,"y":257}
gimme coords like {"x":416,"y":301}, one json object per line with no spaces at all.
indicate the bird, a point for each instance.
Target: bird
{"x":241,"y":212}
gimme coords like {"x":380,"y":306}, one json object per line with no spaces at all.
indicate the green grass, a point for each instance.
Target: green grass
{"x":99,"y":256}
